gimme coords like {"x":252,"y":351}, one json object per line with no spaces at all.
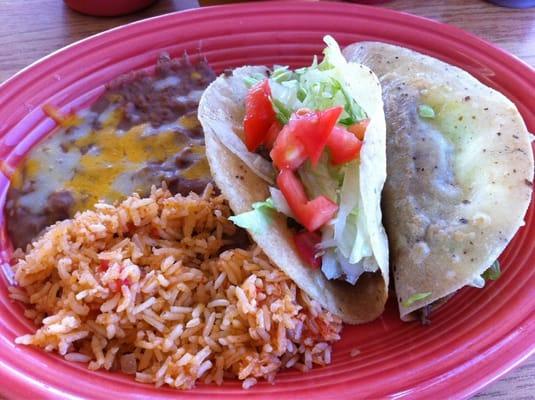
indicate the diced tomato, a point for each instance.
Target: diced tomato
{"x":359,"y":129}
{"x":259,"y":115}
{"x":288,"y":151}
{"x":311,"y":214}
{"x":292,"y":189}
{"x":104,"y":265}
{"x":313,"y":129}
{"x":304,"y":136}
{"x":317,"y":212}
{"x":306,"y":243}
{"x":344,"y":145}
{"x":272,"y":134}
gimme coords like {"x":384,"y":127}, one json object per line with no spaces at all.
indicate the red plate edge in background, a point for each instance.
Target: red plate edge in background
{"x":477,"y":337}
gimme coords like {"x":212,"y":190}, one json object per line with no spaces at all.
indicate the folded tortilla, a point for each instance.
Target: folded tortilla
{"x":459,"y":182}
{"x":244,"y":179}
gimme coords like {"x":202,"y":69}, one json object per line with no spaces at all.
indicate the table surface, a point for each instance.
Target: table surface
{"x":53,"y":26}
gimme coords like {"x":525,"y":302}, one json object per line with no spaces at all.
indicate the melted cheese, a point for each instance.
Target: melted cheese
{"x":114,"y":153}
{"x":101,"y":164}
{"x":189,"y":121}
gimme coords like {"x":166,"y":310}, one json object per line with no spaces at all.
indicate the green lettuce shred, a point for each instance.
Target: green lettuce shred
{"x":316,"y":87}
{"x":258,"y":219}
{"x":426,"y":111}
{"x":493,"y":272}
{"x":415,"y":297}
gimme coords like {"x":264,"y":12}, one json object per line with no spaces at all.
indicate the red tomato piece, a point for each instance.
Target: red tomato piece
{"x":316,"y":213}
{"x":344,"y":146}
{"x":259,"y":115}
{"x":288,"y":152}
{"x":313,"y":129}
{"x":272,"y":134}
{"x":306,"y":243}
{"x":292,"y":189}
{"x":359,"y":129}
{"x":311,"y":214}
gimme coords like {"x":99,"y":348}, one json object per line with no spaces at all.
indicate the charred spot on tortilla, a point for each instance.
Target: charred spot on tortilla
{"x":484,"y":165}
{"x":141,"y":131}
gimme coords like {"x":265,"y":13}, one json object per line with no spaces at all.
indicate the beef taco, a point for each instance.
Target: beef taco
{"x":300,"y":156}
{"x":460,"y":174}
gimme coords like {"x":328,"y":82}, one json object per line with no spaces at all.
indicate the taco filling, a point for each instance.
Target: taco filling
{"x":308,"y":123}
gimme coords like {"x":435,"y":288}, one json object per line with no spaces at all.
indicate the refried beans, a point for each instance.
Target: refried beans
{"x":142,"y":131}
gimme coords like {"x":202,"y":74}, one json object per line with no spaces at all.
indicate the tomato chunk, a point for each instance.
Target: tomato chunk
{"x":318,"y":212}
{"x":259,"y":115}
{"x":344,"y":145}
{"x":311,"y":214}
{"x":359,"y":129}
{"x":313,"y":129}
{"x":288,"y":152}
{"x":272,"y":134}
{"x":306,"y":243}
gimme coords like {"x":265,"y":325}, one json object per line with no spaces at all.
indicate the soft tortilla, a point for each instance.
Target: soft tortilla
{"x":221,"y":112}
{"x":459,"y":185}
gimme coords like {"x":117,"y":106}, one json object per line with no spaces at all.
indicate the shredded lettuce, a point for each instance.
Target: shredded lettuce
{"x":258,"y":219}
{"x":362,"y":245}
{"x":317,"y":87}
{"x":330,"y":266}
{"x":352,"y":271}
{"x":280,"y":203}
{"x":414,"y":298}
{"x":283,"y":112}
{"x":345,"y":239}
{"x":350,"y":235}
{"x":426,"y":111}
{"x":250,"y":81}
{"x":493,"y":272}
{"x":282,"y":73}
{"x":320,"y":86}
{"x":253,"y":79}
{"x":352,"y":108}
{"x":334,"y":266}
{"x":323,"y":179}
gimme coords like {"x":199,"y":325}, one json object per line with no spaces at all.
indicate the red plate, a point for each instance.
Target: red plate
{"x":478,"y":336}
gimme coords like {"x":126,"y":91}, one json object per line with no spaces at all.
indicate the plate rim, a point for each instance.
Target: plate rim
{"x":482,"y":45}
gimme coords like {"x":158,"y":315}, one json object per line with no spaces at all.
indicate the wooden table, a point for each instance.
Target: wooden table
{"x":30,"y":29}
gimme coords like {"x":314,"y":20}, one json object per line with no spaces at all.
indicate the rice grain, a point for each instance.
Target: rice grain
{"x":144,"y":286}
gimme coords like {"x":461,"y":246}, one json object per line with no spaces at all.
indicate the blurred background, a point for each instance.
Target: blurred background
{"x":31,"y":29}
